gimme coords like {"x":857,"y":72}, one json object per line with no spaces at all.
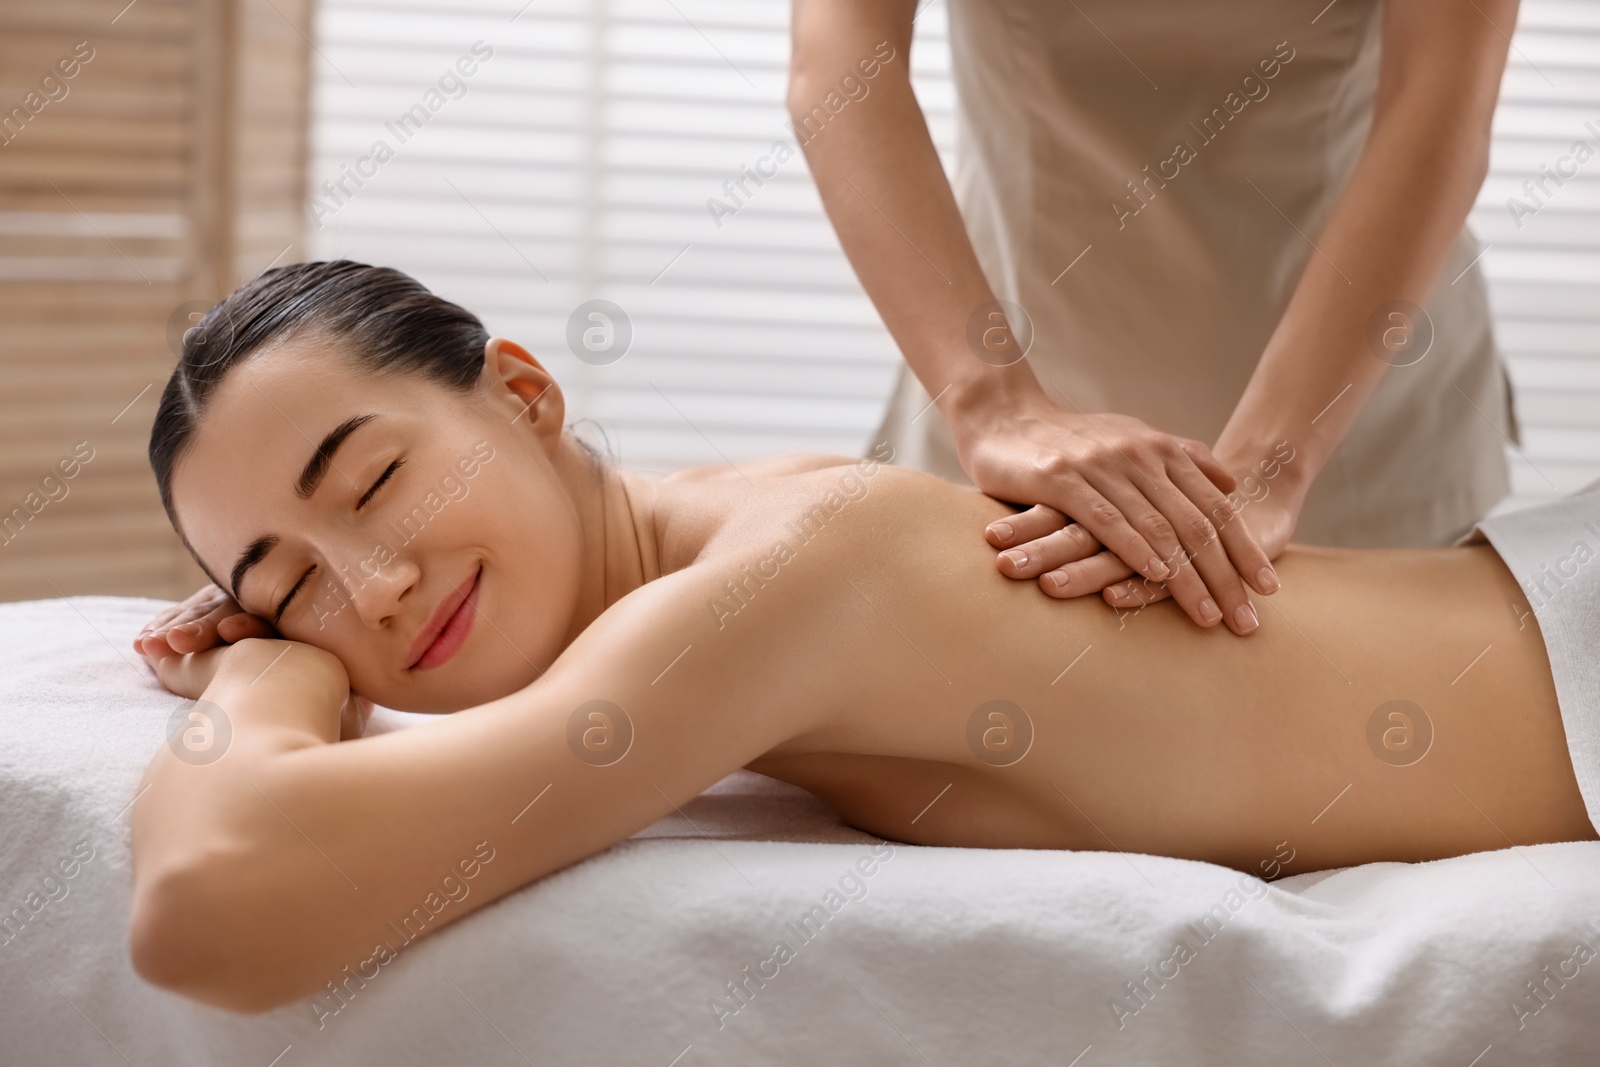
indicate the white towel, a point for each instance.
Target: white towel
{"x":663,"y":949}
{"x":1553,"y":549}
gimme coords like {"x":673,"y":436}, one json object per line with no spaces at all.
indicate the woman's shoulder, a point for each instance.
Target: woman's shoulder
{"x":792,"y":463}
{"x":876,"y":515}
{"x":870,"y":512}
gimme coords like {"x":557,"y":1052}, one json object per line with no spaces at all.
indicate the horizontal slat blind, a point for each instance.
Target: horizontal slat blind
{"x":577,"y":166}
{"x":579,"y":163}
{"x":1544,"y":276}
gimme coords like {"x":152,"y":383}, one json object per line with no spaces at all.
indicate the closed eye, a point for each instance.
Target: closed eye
{"x":284,"y":603}
{"x":381,"y":479}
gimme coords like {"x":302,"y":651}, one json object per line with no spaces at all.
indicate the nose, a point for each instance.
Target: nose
{"x":376,"y":589}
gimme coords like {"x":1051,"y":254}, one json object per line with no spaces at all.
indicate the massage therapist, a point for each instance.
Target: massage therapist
{"x":1184,"y":255}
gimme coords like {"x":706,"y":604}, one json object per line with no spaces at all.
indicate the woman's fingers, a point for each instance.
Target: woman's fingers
{"x":242,"y":624}
{"x":207,"y":618}
{"x":192,"y":607}
{"x":223,"y":624}
{"x":158,"y":625}
{"x":195,"y":633}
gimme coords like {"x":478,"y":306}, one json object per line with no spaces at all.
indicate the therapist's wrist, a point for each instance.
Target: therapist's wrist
{"x":1277,"y":460}
{"x":991,"y":397}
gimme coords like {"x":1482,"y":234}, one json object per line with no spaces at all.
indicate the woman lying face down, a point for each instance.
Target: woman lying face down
{"x":356,"y":461}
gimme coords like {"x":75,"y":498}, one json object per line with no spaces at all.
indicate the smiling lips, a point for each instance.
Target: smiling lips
{"x":448,"y":627}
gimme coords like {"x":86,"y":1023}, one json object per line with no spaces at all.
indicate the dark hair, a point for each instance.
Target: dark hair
{"x":384,"y":319}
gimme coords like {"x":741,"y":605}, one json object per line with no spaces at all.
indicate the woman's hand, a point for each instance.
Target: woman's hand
{"x":190,"y":674}
{"x":1146,"y":496}
{"x":207,"y":618}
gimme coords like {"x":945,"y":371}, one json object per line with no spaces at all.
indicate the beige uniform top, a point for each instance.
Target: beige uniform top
{"x":1181,"y":157}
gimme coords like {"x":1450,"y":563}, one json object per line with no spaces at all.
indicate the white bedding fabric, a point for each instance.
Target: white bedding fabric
{"x":952,"y":956}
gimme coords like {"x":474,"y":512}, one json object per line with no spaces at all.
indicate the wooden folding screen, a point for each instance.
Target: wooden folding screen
{"x":152,"y":156}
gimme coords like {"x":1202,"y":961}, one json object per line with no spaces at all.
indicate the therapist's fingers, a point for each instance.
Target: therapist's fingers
{"x":1134,"y":594}
{"x":1179,"y":531}
{"x":1037,"y":521}
{"x":1209,"y":465}
{"x":1111,"y":523}
{"x":1208,"y":585}
{"x":1228,"y":599}
{"x":1089,"y":575}
{"x":1226,"y":590}
{"x":1032,"y":558}
{"x":1248,"y":559}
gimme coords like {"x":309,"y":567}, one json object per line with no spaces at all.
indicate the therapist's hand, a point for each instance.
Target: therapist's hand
{"x":1148,"y":497}
{"x":1049,"y":542}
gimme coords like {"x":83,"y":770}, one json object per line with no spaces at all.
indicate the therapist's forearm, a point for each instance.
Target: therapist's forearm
{"x":1387,"y":240}
{"x":887,"y":196}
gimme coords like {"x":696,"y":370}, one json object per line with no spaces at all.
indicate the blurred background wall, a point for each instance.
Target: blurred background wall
{"x":537,"y":156}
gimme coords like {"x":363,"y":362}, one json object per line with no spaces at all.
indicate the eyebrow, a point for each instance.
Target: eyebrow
{"x":305,"y":487}
{"x":317,"y":466}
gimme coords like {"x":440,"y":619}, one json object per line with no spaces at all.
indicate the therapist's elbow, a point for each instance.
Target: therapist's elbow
{"x":837,"y":47}
{"x":811,"y":55}
{"x":178,"y":940}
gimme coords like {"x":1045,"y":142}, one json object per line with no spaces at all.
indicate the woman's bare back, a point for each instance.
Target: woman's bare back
{"x":981,"y":712}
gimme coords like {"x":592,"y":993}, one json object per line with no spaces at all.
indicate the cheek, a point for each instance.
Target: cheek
{"x":530,"y":542}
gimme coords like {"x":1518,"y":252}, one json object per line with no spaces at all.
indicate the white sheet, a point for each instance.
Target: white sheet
{"x":951,"y":956}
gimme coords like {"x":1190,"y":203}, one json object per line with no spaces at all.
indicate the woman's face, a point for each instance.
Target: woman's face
{"x":470,"y":502}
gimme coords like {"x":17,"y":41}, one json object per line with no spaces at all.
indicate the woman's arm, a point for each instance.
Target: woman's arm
{"x":261,"y":875}
{"x":1141,"y":492}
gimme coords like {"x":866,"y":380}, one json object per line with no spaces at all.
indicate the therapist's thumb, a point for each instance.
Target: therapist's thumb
{"x":1208,"y":464}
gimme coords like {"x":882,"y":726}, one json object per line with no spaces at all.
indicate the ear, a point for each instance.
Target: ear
{"x":521,"y":389}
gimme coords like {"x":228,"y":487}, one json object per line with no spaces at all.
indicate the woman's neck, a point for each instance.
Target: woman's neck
{"x":621,"y":517}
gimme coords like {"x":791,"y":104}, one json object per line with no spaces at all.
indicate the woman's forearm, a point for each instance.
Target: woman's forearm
{"x":1386,"y":240}
{"x":201,"y":796}
{"x":263,"y":875}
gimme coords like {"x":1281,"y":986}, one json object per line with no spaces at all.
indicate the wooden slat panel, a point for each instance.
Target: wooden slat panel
{"x":177,"y":156}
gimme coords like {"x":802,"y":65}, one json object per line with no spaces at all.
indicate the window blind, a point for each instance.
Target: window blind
{"x":578,"y":163}
{"x":1543,"y":269}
